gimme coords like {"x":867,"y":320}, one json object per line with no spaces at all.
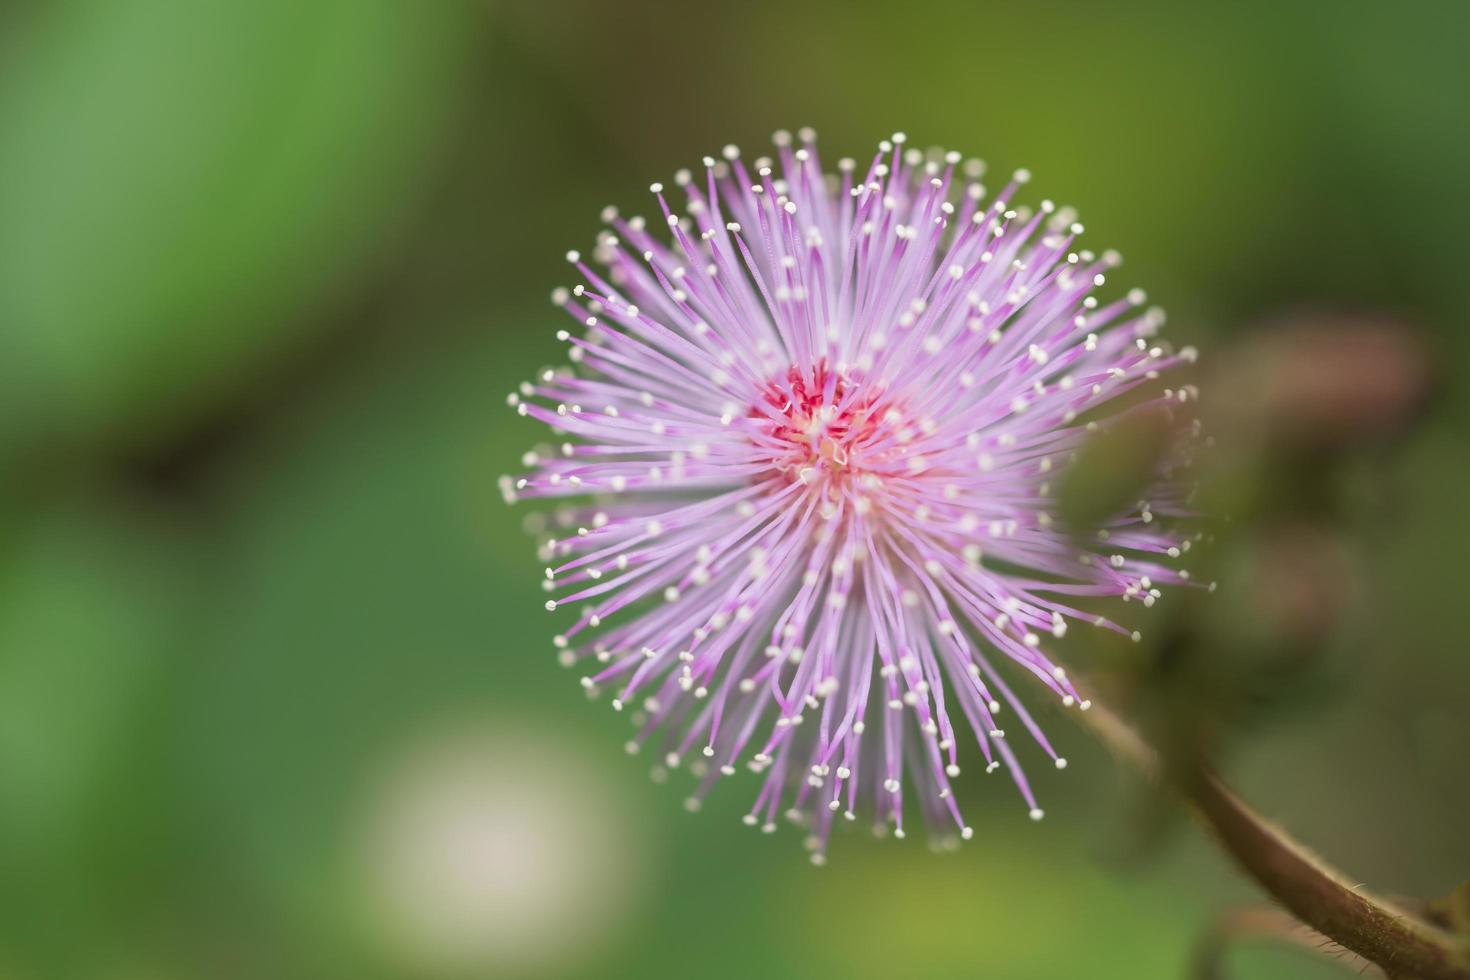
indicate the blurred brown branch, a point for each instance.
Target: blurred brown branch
{"x":1294,"y":405}
{"x":1382,"y":932}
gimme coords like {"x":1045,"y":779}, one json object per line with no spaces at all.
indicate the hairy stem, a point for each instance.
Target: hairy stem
{"x":1401,"y":944}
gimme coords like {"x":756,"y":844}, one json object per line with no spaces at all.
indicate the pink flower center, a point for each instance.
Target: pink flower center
{"x":821,"y":430}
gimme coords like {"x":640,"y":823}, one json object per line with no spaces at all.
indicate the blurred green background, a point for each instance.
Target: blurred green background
{"x":276,"y":693}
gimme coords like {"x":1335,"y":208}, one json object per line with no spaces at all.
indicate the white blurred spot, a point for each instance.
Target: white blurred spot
{"x":499,"y":851}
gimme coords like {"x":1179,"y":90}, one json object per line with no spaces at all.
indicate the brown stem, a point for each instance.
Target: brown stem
{"x":1378,"y":930}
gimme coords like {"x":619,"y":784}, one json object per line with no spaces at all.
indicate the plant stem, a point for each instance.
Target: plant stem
{"x":1391,"y":937}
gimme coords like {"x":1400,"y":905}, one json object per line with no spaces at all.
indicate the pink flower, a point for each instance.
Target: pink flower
{"x":812,"y":446}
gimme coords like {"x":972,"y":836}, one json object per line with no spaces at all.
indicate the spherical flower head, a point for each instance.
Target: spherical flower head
{"x":809,"y":441}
